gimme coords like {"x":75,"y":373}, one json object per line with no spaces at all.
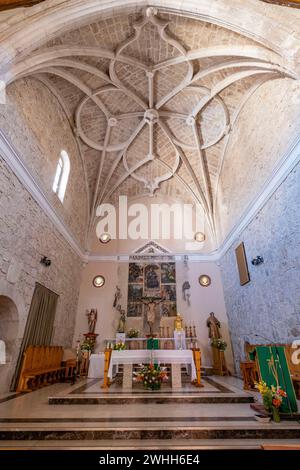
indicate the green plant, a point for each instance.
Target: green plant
{"x":133,"y":333}
{"x":272,"y":398}
{"x":119,"y":346}
{"x":218,"y":343}
{"x":86,"y":345}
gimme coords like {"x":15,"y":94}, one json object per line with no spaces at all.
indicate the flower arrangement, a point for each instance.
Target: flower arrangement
{"x":120,"y":346}
{"x":86,"y":345}
{"x":151,"y":376}
{"x":272,"y":398}
{"x":218,"y":343}
{"x":133,"y":333}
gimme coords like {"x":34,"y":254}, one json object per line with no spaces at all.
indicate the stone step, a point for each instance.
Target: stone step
{"x":143,"y":398}
{"x":149,"y":444}
{"x":131,"y":433}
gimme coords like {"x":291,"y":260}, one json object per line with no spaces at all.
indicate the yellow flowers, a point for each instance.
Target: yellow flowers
{"x":262,"y":387}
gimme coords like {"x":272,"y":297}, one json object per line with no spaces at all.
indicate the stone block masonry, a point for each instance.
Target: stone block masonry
{"x":25,"y":235}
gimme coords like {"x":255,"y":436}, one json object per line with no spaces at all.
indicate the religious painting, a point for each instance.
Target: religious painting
{"x":135,"y":292}
{"x":136,"y":273}
{"x":135,"y":309}
{"x":152,"y":280}
{"x":242,"y":264}
{"x":169,"y":292}
{"x":169,"y":309}
{"x":168,"y":273}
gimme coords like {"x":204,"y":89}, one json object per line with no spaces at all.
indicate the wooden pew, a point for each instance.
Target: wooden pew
{"x":41,"y":366}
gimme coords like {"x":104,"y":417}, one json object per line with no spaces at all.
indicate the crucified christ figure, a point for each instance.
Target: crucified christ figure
{"x":151,"y":303}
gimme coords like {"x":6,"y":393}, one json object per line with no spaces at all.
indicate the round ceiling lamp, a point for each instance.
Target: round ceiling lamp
{"x":105,"y":237}
{"x":204,"y":280}
{"x":99,"y":281}
{"x":199,"y":237}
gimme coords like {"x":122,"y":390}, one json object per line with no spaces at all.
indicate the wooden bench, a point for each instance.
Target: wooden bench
{"x":41,"y":366}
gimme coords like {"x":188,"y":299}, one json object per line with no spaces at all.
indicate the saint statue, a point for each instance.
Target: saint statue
{"x":92,"y":320}
{"x":214,"y":326}
{"x":122,"y":322}
{"x":178,"y":323}
{"x":117,"y":296}
{"x":151,"y":304}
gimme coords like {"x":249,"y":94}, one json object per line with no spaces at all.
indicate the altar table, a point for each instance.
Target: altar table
{"x":160,"y":356}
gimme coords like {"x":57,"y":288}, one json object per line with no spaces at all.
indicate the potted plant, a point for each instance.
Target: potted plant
{"x":272,"y":399}
{"x":120,"y":346}
{"x":133,"y":333}
{"x":151,"y":376}
{"x":219,"y":343}
{"x":86,"y":346}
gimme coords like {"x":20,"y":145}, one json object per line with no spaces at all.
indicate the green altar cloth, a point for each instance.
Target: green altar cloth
{"x":152,"y":343}
{"x":268,"y":355}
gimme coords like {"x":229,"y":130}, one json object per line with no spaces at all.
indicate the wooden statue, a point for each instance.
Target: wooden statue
{"x":219,"y":363}
{"x":92,"y":320}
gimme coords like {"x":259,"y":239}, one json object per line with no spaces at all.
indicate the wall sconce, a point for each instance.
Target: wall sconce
{"x":257,"y":261}
{"x":199,"y":237}
{"x":104,"y":237}
{"x":204,"y":280}
{"x":46,"y":261}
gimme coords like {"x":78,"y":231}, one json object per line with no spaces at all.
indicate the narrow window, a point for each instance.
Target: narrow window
{"x":61,"y":176}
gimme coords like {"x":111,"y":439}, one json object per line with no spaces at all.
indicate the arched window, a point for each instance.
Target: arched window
{"x":61,"y":176}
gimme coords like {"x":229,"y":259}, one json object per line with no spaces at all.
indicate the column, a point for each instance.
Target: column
{"x":127,"y":376}
{"x":176,"y":375}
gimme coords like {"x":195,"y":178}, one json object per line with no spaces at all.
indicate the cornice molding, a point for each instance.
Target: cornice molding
{"x":279,"y":174}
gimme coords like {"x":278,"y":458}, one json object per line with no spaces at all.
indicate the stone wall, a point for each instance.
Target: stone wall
{"x":25,"y":235}
{"x":262,"y":134}
{"x":36,"y":125}
{"x":268,"y":306}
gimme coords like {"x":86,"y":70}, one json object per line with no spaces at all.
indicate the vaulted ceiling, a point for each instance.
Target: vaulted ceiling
{"x":153,"y":98}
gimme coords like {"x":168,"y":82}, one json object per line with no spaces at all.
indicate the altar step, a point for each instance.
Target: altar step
{"x":150,"y":444}
{"x":165,"y":433}
{"x":152,"y":398}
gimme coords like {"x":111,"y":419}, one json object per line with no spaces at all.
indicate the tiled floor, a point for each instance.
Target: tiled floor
{"x":24,"y":416}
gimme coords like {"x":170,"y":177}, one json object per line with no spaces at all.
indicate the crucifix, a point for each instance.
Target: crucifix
{"x":151,"y":303}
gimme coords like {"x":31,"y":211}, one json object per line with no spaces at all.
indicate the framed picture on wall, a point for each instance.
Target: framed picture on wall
{"x":242,"y":264}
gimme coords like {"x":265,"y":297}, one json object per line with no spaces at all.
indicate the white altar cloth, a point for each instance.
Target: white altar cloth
{"x":161,"y":356}
{"x":96,"y":366}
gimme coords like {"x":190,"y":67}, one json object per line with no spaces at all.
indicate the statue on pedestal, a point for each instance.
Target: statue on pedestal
{"x":92,"y":320}
{"x":122,"y":321}
{"x":214,"y":326}
{"x":178,"y":323}
{"x":218,"y":345}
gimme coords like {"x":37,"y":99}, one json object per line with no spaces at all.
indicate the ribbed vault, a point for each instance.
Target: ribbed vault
{"x":152,"y":98}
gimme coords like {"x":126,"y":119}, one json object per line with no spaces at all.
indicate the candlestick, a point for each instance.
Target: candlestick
{"x":191,"y":332}
{"x":168,"y":332}
{"x":194,"y":329}
{"x":186,"y":331}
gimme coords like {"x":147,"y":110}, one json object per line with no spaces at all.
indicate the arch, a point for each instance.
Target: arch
{"x":9,"y":327}
{"x":32,"y":28}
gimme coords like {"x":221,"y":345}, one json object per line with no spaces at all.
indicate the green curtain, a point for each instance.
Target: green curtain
{"x":267,"y":355}
{"x":39,"y":325}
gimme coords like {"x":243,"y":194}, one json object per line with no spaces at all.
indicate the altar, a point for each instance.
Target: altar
{"x":176,"y":358}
